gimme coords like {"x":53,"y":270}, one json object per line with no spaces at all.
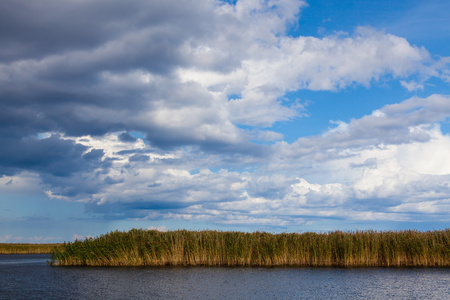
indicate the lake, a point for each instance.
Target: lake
{"x":29,"y":277}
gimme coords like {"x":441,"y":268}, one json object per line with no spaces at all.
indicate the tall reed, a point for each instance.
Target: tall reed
{"x":216,"y":248}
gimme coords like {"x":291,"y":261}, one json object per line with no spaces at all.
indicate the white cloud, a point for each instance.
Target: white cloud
{"x":424,"y":207}
{"x":402,"y":123}
{"x":80,"y":237}
{"x":158,"y":228}
{"x":23,"y":183}
{"x":5,"y":238}
{"x":412,"y":85}
{"x":335,"y":62}
{"x":268,"y":136}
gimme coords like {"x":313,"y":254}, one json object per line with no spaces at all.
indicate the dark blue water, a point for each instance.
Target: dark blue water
{"x":29,"y":277}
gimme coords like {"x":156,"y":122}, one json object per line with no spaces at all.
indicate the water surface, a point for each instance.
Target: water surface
{"x":29,"y":277}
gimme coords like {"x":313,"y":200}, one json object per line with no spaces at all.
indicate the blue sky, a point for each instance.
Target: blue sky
{"x":282,"y":116}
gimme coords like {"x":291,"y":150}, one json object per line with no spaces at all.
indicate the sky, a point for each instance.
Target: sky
{"x":248,"y":115}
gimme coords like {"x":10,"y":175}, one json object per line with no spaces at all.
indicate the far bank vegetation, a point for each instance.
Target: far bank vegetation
{"x":10,"y":248}
{"x":216,"y":248}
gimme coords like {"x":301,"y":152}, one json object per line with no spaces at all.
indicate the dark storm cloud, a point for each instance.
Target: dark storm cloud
{"x":75,"y":40}
{"x":77,"y":186}
{"x":54,"y":55}
{"x":37,"y":29}
{"x":126,"y":137}
{"x":93,"y":67}
{"x":52,"y":155}
{"x":94,"y":154}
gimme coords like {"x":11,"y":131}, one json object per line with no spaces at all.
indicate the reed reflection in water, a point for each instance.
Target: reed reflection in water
{"x":29,"y":277}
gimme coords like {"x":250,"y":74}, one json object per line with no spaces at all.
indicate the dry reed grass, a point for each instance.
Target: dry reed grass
{"x":216,"y":248}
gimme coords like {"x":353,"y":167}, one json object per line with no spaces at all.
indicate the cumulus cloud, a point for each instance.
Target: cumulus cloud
{"x":405,"y":122}
{"x":158,"y":228}
{"x":366,"y":179}
{"x":52,"y":155}
{"x":171,"y":71}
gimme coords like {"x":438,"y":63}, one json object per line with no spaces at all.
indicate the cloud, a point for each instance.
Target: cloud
{"x":80,"y":237}
{"x":166,"y":109}
{"x":405,"y":122}
{"x":169,"y":73}
{"x":366,"y":174}
{"x":158,"y":228}
{"x":52,"y":155}
{"x":9,"y":238}
{"x":22,"y":183}
{"x":126,"y":137}
{"x":5,"y":238}
{"x":412,"y":85}
{"x":354,"y":178}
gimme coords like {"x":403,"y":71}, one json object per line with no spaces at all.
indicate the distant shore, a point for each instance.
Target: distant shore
{"x":16,"y":248}
{"x":139,"y":247}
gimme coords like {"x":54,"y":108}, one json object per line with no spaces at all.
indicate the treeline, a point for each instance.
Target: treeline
{"x":215,"y":248}
{"x":6,"y":248}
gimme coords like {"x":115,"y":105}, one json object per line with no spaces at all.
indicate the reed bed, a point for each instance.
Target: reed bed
{"x":139,"y":247}
{"x":6,"y":248}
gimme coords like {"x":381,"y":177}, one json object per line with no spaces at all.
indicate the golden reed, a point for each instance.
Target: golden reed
{"x":216,"y":248}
